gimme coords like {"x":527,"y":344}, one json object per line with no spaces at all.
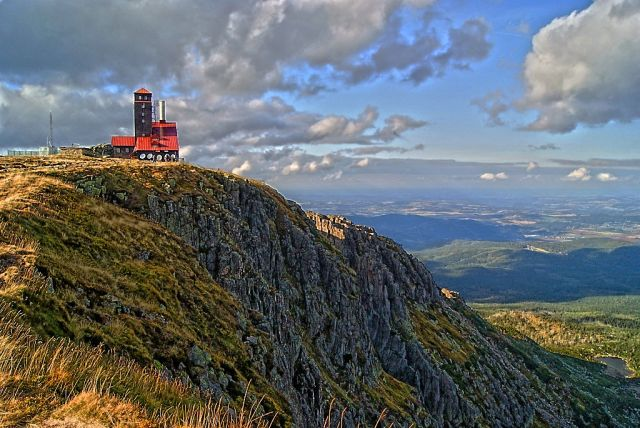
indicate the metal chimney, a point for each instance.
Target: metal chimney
{"x":162,"y":111}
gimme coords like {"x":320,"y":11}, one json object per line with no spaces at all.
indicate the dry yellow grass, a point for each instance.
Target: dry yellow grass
{"x":542,"y":329}
{"x":17,"y":260}
{"x":57,"y":383}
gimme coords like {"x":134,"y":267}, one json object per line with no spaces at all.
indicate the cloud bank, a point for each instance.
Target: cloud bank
{"x":217,"y":61}
{"x":583,"y":68}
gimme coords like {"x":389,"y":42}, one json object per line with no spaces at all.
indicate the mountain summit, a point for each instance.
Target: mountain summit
{"x":221,"y":286}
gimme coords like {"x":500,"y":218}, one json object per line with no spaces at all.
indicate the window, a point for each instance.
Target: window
{"x":143,"y":106}
{"x":142,"y":114}
{"x":143,"y":120}
{"x":117,"y":150}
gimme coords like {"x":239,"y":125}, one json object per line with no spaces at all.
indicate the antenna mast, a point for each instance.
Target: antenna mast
{"x":50,"y":138}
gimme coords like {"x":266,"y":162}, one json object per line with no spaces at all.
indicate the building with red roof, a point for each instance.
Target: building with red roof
{"x":154,"y":138}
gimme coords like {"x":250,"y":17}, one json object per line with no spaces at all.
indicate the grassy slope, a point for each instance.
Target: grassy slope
{"x":587,"y":328}
{"x":589,"y":384}
{"x":137,"y":180}
{"x":122,"y":282}
{"x":59,"y":383}
{"x":95,"y":252}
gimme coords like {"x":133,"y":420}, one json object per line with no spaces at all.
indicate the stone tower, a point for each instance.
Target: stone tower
{"x":142,"y":112}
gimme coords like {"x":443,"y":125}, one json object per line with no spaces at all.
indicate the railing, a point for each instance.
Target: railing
{"x":44,"y":151}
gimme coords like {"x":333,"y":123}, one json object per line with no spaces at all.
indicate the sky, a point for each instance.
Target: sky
{"x":486,"y":95}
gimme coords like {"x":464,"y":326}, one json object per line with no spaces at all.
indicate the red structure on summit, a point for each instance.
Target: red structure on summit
{"x":155,"y":139}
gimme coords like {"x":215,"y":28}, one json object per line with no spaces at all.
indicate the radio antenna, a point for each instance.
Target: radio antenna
{"x":50,"y":138}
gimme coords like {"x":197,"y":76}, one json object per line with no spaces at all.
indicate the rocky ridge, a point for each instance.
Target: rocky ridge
{"x":330,"y":310}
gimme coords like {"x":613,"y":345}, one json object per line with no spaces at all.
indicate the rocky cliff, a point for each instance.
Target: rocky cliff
{"x":321,"y":314}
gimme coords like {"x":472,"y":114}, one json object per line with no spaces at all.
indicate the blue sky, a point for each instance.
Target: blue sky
{"x":458,"y":130}
{"x":517,"y":94}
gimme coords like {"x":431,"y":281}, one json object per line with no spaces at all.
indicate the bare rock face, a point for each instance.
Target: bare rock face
{"x":348,"y":315}
{"x":335,"y":299}
{"x":273,"y":258}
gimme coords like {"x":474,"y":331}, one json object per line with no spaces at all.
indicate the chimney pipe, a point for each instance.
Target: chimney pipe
{"x":162,"y":111}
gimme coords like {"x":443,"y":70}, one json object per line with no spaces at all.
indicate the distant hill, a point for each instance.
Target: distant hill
{"x":513,"y":272}
{"x":415,"y":232}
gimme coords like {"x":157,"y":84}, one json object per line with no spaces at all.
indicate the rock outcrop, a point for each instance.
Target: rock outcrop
{"x":352,"y":316}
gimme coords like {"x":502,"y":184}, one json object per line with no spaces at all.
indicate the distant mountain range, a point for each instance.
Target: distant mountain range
{"x":515,"y":272}
{"x":415,"y":232}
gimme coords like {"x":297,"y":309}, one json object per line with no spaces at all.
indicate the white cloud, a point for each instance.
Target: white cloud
{"x":24,"y":115}
{"x":334,"y":176}
{"x":532,"y":166}
{"x":312,"y":166}
{"x":339,"y":126}
{"x":240,"y":170}
{"x":579,"y":174}
{"x":583,"y":68}
{"x":606,"y":176}
{"x":396,"y":125}
{"x":327,"y":126}
{"x":292,"y":168}
{"x":362,"y":163}
{"x":490,"y":176}
{"x":236,"y":126}
{"x":219,"y":59}
{"x":229,"y":47}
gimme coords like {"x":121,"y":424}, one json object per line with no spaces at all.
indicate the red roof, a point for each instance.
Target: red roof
{"x":168,"y":129}
{"x":142,"y":91}
{"x":123,"y":141}
{"x":157,"y":144}
{"x":163,"y":124}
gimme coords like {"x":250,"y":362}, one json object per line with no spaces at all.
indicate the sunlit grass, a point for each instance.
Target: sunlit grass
{"x":58,"y":380}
